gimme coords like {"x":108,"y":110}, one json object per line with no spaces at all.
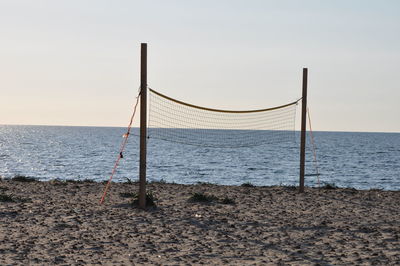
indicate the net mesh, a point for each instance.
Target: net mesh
{"x":180,"y":122}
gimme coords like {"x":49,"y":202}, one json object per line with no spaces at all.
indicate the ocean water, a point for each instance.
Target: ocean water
{"x":358,"y":160}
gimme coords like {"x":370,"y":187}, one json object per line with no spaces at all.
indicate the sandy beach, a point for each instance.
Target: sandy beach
{"x":63,"y":223}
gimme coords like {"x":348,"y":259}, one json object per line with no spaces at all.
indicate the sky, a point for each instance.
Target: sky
{"x":69,"y":62}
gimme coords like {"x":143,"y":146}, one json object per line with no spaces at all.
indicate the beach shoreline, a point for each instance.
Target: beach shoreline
{"x":56,"y":222}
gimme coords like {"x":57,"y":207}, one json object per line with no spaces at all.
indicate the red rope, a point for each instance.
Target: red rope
{"x":121,"y":150}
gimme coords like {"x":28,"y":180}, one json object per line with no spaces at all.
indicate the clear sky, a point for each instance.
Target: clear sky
{"x":70,"y":62}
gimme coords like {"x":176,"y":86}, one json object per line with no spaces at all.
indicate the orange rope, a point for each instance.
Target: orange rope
{"x":121,"y":150}
{"x":313,"y":145}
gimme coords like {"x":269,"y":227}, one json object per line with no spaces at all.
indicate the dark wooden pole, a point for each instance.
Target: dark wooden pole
{"x":303,"y":130}
{"x":143,"y":125}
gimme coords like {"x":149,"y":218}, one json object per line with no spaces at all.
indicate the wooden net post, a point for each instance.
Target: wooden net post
{"x":303,"y":130}
{"x":143,"y":125}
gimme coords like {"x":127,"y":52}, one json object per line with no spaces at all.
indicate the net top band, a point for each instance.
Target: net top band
{"x":223,"y":111}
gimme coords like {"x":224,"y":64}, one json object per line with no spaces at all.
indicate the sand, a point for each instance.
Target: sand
{"x":63,"y":223}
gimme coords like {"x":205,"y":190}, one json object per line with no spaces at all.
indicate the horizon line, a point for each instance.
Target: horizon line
{"x":58,"y":125}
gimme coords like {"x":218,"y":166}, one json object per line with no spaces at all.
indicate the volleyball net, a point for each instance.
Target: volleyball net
{"x":177,"y":121}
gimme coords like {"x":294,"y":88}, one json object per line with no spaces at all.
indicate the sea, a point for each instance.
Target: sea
{"x":344,"y":159}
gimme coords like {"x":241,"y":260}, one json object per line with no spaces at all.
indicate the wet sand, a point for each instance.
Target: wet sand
{"x":63,"y":223}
